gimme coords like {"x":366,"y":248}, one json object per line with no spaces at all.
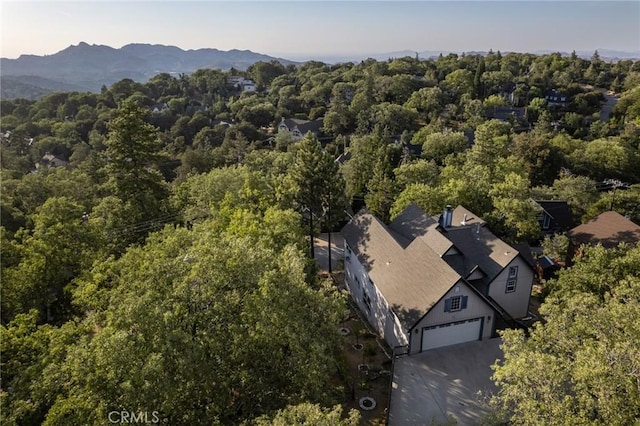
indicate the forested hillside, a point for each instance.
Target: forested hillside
{"x":87,"y":67}
{"x":154,"y":251}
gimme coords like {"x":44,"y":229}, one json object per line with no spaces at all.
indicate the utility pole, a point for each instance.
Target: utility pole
{"x":311,"y":233}
{"x":329,"y":237}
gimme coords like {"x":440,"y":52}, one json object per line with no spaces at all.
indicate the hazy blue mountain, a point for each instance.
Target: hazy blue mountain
{"x":89,"y":67}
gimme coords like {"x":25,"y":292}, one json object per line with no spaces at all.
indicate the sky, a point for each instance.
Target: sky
{"x":308,"y":29}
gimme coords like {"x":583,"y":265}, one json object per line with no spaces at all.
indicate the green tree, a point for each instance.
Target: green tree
{"x":307,"y":414}
{"x":428,"y":101}
{"x":625,"y":202}
{"x":437,"y":146}
{"x":214,"y":308}
{"x":556,"y":246}
{"x":460,"y":82}
{"x":319,"y":187}
{"x":418,"y":171}
{"x":359,"y":169}
{"x":542,"y":159}
{"x":32,"y":362}
{"x":60,"y":247}
{"x":264,"y":73}
{"x":579,"y":365}
{"x":578,"y":191}
{"x":514,"y":209}
{"x":394,"y":118}
{"x":381,"y":187}
{"x":608,"y":158}
{"x":492,"y":141}
{"x":428,"y":198}
{"x":133,"y":149}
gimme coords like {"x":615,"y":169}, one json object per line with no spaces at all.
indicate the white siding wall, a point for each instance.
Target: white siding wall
{"x":515,"y":303}
{"x":379,"y":315}
{"x":476,"y":308}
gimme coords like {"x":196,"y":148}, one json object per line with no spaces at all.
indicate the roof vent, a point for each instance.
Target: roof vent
{"x":464,"y":220}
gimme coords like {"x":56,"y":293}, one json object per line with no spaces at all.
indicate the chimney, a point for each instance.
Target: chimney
{"x":464,"y":220}
{"x":447,"y":216}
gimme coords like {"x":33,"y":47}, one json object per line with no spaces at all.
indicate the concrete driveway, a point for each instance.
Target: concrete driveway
{"x":429,"y":387}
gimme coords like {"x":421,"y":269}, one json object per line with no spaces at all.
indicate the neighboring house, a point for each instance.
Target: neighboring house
{"x":244,"y":84}
{"x":5,"y":137}
{"x":158,"y":108}
{"x":608,"y":228}
{"x":409,"y":149}
{"x":298,"y":128}
{"x":557,"y":99}
{"x":517,"y":116}
{"x":547,"y":268}
{"x":196,"y":107}
{"x":50,"y":160}
{"x":507,"y":113}
{"x":343,"y":158}
{"x":555,"y":216}
{"x":425,"y":282}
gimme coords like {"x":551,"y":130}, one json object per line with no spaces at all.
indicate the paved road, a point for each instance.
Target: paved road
{"x":429,"y":387}
{"x":322,"y":254}
{"x":607,"y":107}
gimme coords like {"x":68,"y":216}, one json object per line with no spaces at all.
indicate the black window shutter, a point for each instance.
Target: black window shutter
{"x":447,"y":305}
{"x":463,"y":305}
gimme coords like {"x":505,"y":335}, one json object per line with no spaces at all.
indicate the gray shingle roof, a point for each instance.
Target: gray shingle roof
{"x":304,"y":126}
{"x":413,"y":223}
{"x":482,"y":248}
{"x":559,"y":211}
{"x":412,"y":278}
{"x":406,"y":260}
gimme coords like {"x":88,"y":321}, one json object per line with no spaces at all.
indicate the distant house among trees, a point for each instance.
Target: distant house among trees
{"x":50,"y":160}
{"x":555,"y":216}
{"x":506,"y":113}
{"x":298,"y":128}
{"x":243,"y":84}
{"x":608,"y":229}
{"x":157,"y":108}
{"x":557,"y":99}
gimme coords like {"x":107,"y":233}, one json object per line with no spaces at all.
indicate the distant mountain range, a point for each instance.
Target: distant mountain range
{"x":605,"y":54}
{"x":88,"y":67}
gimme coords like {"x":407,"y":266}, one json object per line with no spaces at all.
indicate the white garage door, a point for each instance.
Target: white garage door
{"x":451,"y":333}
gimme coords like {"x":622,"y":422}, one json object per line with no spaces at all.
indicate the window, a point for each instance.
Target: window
{"x":455,"y":303}
{"x":367,"y":302}
{"x":511,"y":286}
{"x":513,"y":272}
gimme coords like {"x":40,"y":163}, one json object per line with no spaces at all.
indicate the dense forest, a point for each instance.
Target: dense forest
{"x":154,"y":235}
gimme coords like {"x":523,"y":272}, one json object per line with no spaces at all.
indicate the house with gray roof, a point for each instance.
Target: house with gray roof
{"x":425,"y":282}
{"x":554,"y":216}
{"x":298,"y":127}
